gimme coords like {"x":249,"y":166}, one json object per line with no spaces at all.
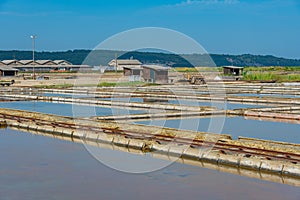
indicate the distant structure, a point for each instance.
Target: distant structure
{"x":134,"y":72}
{"x":121,"y":63}
{"x":8,"y":71}
{"x":233,"y":70}
{"x":128,"y":71}
{"x":147,"y":73}
{"x":42,"y":65}
{"x":155,"y":74}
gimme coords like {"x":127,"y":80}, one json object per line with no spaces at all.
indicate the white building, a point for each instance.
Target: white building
{"x":121,"y":63}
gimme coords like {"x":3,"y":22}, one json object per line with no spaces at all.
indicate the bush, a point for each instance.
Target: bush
{"x":260,"y":77}
{"x":110,"y":84}
{"x":268,"y":76}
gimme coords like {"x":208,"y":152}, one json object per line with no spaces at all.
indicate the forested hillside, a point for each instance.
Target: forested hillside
{"x":102,"y":57}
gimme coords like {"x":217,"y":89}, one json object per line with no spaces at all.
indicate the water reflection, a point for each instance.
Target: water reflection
{"x":38,"y":167}
{"x":66,"y":109}
{"x":238,"y":126}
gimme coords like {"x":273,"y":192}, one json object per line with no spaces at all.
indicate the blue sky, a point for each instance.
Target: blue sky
{"x":220,"y":26}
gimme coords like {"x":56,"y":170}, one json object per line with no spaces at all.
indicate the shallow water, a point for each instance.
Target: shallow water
{"x":37,"y":167}
{"x":219,"y":105}
{"x":236,"y":126}
{"x":266,"y":95}
{"x":66,"y":109}
{"x":64,"y":95}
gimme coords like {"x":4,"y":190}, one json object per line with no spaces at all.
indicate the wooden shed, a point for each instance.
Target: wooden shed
{"x":134,"y":70}
{"x":155,"y":74}
{"x":8,"y":71}
{"x":134,"y":73}
{"x":233,"y":70}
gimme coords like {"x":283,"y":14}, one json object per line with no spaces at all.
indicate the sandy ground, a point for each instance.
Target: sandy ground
{"x":77,"y":79}
{"x":74,"y":79}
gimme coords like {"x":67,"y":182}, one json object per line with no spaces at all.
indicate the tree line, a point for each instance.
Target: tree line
{"x":102,"y":57}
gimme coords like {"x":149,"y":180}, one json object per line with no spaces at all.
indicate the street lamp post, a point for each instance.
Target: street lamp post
{"x":33,"y":37}
{"x":116,"y":62}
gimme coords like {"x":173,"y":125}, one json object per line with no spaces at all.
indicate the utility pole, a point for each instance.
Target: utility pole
{"x":33,"y":37}
{"x":15,"y":61}
{"x":116,"y":62}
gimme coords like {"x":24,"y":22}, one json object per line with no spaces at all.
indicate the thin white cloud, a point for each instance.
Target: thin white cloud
{"x":206,"y":2}
{"x":10,"y":13}
{"x":34,"y":14}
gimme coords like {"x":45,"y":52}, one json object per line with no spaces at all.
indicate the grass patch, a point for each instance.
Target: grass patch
{"x":120,"y":84}
{"x":269,"y":76}
{"x":260,"y":77}
{"x":290,"y":78}
{"x":106,"y":84}
{"x":185,"y":69}
{"x":58,"y":86}
{"x":209,"y":69}
{"x":272,"y":68}
{"x":197,"y":69}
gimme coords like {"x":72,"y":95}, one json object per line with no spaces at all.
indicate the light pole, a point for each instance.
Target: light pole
{"x":33,"y":37}
{"x":116,"y":62}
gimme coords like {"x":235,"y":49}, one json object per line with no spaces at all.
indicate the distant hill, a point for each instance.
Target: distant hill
{"x":102,"y":57}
